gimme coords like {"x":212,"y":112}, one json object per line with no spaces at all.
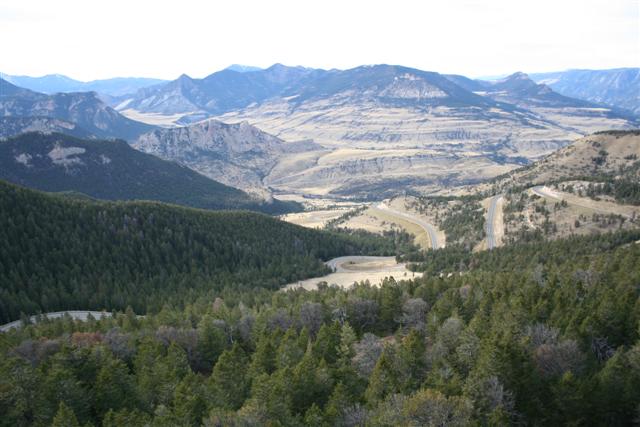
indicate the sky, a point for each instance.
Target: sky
{"x":89,"y":39}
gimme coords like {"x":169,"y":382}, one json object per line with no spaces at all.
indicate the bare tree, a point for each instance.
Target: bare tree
{"x":414,"y":313}
{"x":362,"y":313}
{"x":245,"y":327}
{"x":449,"y":333}
{"x":119,"y":343}
{"x":36,"y":352}
{"x":279,"y":320}
{"x":311,"y":317}
{"x":556,"y":359}
{"x":354,"y":416}
{"x":367,"y":352}
{"x":540,"y":334}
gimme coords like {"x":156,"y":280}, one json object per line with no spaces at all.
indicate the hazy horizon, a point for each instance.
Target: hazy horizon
{"x":90,"y":41}
{"x":482,"y":77}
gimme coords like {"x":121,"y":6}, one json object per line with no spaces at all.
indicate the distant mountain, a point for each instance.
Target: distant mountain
{"x":219,"y":92}
{"x":84,"y":109}
{"x":378,"y":128}
{"x":243,"y":68}
{"x":230,"y":90}
{"x":467,"y":83}
{"x":520,"y":90}
{"x":617,"y":87}
{"x":391,"y":85}
{"x":239,"y":155}
{"x":53,"y":83}
{"x":113,"y":170}
{"x":387,"y":128}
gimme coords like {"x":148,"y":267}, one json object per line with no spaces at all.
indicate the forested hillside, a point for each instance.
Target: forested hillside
{"x":112,"y":170}
{"x":545,"y":333}
{"x":62,"y":253}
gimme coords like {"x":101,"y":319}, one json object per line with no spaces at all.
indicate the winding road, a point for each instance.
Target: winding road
{"x":338,"y":264}
{"x":489,"y":227}
{"x":431,"y":231}
{"x":546,"y":192}
{"x":75,"y":315}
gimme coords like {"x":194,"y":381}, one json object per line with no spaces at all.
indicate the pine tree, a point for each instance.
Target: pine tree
{"x":65,"y":417}
{"x":114,"y":387}
{"x":228,"y":382}
{"x":384,"y":378}
{"x":413,"y":361}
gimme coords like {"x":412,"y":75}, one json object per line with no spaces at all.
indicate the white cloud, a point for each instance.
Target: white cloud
{"x":99,"y":39}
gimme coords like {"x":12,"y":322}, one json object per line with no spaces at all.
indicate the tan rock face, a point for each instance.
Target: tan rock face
{"x":398,"y":147}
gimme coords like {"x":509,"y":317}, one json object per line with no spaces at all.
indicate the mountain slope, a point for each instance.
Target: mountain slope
{"x":84,"y":109}
{"x":106,"y":255}
{"x":617,"y":87}
{"x":12,"y":126}
{"x":384,"y":128}
{"x":603,"y":153}
{"x":239,"y":155}
{"x":115,"y":171}
{"x":389,"y":128}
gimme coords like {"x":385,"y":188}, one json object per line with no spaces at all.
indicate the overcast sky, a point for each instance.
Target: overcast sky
{"x":88,"y":39}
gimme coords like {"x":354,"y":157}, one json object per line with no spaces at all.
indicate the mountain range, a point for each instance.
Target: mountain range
{"x":617,"y":87}
{"x":54,"y":83}
{"x":364,"y":132}
{"x":84,"y":112}
{"x":112,"y":170}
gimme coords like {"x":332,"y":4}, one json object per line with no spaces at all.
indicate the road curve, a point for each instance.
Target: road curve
{"x":431,"y":231}
{"x":75,"y":315}
{"x":336,"y":264}
{"x":489,"y":229}
{"x":543,"y":191}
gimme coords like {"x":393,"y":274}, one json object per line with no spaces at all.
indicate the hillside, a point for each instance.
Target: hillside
{"x":95,"y":255}
{"x":85,"y":109}
{"x":542,"y":333}
{"x":239,"y":155}
{"x":113,"y":170}
{"x":603,"y":153}
{"x":13,"y":126}
{"x":590,"y":187}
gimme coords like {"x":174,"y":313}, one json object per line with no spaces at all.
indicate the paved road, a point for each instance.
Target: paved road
{"x":491,"y":213}
{"x":431,"y":231}
{"x":75,"y":314}
{"x":336,"y":264}
{"x":543,"y":191}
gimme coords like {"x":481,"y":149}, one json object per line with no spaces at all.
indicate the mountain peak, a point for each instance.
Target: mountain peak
{"x":518,"y":76}
{"x":242,"y":68}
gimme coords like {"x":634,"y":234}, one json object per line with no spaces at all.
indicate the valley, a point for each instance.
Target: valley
{"x":380,"y":128}
{"x":290,"y":246}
